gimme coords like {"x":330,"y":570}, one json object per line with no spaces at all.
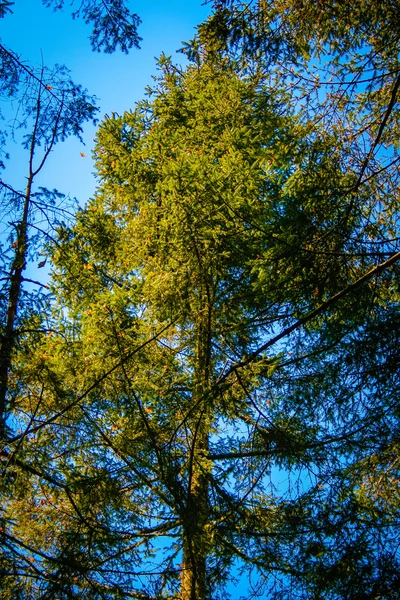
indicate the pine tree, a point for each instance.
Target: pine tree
{"x":219,"y":388}
{"x":53,"y":108}
{"x":49,"y":108}
{"x":223,"y":280}
{"x":183,"y":290}
{"x":170,"y":244}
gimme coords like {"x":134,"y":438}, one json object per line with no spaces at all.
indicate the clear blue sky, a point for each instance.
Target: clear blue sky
{"x":118,"y":80}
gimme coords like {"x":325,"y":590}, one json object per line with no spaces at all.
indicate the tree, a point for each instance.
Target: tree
{"x":212,"y":347}
{"x":219,"y":388}
{"x":50,"y":107}
{"x":55,"y":108}
{"x":50,"y":103}
{"x":158,"y":278}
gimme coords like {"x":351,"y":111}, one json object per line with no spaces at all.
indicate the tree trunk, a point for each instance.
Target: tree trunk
{"x":195,"y":534}
{"x":8,"y":337}
{"x":195,"y":543}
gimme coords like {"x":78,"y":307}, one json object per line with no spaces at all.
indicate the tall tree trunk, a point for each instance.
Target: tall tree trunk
{"x":8,"y":337}
{"x":194,"y":584}
{"x":7,"y":341}
{"x":195,"y":534}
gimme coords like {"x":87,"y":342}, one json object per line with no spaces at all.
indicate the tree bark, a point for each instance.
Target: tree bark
{"x":196,"y":518}
{"x":8,"y":337}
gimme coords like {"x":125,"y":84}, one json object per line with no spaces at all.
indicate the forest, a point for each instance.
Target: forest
{"x":202,"y":402}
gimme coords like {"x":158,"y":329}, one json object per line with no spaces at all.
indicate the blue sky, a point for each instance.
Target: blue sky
{"x":118,"y":80}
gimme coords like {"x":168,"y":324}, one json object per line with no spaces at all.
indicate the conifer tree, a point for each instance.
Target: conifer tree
{"x":187,"y":301}
{"x":218,"y":389}
{"x":159,"y":279}
{"x":49,"y":108}
{"x":218,"y":274}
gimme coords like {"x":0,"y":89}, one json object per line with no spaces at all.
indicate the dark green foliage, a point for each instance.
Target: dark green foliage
{"x":114,"y":26}
{"x":5,"y":7}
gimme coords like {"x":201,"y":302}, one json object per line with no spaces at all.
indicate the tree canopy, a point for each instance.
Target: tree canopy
{"x":211,"y":394}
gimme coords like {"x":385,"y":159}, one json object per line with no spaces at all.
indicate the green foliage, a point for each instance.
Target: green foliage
{"x":217,"y":387}
{"x":222,"y":217}
{"x":42,"y":546}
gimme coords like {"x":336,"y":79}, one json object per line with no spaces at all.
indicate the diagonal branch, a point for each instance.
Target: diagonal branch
{"x":377,"y":270}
